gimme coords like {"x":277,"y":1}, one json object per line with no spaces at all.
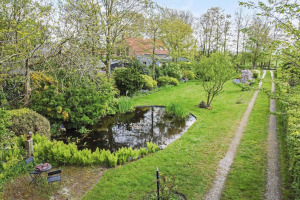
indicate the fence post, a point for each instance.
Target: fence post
{"x":157,"y":177}
{"x":29,"y":144}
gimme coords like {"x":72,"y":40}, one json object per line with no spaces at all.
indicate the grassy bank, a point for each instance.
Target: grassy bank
{"x":193,"y":158}
{"x":247,"y":177}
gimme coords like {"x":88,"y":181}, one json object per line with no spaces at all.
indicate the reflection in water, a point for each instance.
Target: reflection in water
{"x":135,"y":129}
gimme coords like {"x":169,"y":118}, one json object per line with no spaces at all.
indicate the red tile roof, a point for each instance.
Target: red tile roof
{"x":145,"y":46}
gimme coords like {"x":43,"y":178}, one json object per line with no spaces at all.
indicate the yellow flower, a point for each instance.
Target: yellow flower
{"x":65,"y":116}
{"x":59,"y":109}
{"x":49,"y":109}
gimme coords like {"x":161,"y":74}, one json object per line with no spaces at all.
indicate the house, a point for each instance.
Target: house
{"x":142,"y":50}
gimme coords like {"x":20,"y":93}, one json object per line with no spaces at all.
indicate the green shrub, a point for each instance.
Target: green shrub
{"x":186,"y":65}
{"x":125,"y":104}
{"x":58,"y":153}
{"x":241,"y":67}
{"x":143,"y":152}
{"x":26,"y":120}
{"x":142,"y":68}
{"x":134,"y":154}
{"x":12,"y":164}
{"x":245,"y":87}
{"x":72,"y":105}
{"x":123,"y":155}
{"x":128,"y":80}
{"x":177,"y":109}
{"x":83,"y":157}
{"x":188,"y":74}
{"x":101,"y":156}
{"x":5,"y":124}
{"x":112,"y":160}
{"x":158,"y":72}
{"x":149,"y":83}
{"x":290,"y":119}
{"x":256,"y":73}
{"x":288,"y":101}
{"x":152,"y":147}
{"x":165,"y":80}
{"x":172,"y":70}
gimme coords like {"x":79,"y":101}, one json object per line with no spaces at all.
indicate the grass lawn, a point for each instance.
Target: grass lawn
{"x":193,"y":158}
{"x":247,"y":177}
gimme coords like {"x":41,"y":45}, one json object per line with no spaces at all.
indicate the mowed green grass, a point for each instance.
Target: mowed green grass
{"x":192,"y":159}
{"x":247,"y":177}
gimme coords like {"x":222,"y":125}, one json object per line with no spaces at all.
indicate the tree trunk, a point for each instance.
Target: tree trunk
{"x":254,"y":64}
{"x":107,"y":64}
{"x":208,"y":99}
{"x":27,"y":84}
{"x":153,"y":56}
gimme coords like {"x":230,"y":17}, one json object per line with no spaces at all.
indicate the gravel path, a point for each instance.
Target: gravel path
{"x":273,"y":174}
{"x":225,"y":163}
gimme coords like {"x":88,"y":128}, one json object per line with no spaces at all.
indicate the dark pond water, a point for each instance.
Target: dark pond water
{"x":134,"y":129}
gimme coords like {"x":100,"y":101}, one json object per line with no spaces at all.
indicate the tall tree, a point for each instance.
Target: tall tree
{"x":238,"y":27}
{"x":177,"y":36}
{"x":154,"y":16}
{"x":115,"y":17}
{"x":259,"y":39}
{"x":25,"y":38}
{"x":213,"y":30}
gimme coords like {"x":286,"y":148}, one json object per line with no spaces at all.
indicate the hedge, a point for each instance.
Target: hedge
{"x":290,"y":119}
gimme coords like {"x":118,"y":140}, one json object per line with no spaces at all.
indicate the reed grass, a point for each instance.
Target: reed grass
{"x":177,"y":109}
{"x":125,"y":104}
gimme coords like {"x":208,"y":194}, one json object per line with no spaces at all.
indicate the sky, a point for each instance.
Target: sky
{"x":198,"y":7}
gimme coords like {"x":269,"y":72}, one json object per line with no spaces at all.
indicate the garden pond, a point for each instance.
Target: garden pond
{"x":134,"y":129}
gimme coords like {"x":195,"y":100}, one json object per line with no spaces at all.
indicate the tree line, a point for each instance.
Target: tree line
{"x":81,"y":36}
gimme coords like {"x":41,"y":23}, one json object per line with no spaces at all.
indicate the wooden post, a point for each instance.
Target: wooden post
{"x":29,"y":145}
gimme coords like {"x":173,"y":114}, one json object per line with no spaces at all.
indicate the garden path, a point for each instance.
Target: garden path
{"x":273,"y":173}
{"x":224,"y":165}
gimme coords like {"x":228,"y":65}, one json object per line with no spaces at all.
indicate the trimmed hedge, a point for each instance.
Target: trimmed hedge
{"x":289,"y":117}
{"x":290,"y":121}
{"x":25,"y":120}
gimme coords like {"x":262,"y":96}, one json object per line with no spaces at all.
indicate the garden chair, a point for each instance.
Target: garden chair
{"x":54,"y":176}
{"x":33,"y":174}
